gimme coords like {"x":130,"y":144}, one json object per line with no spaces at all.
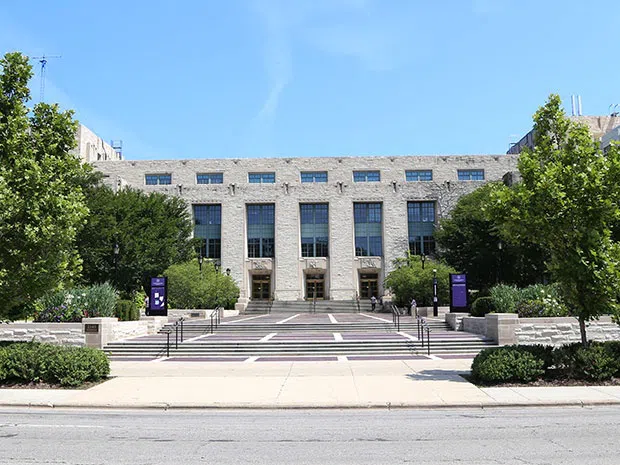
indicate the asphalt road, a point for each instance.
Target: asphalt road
{"x":466,"y":437}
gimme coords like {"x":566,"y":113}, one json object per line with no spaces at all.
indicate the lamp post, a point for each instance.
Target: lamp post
{"x":217,"y":267}
{"x":500,"y":246}
{"x":435,"y":303}
{"x":117,"y":251}
{"x":423,"y":258}
{"x":227,"y":271}
{"x":200,"y":259}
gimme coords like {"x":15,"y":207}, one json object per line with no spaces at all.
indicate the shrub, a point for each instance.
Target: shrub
{"x":505,"y":365}
{"x":597,"y":362}
{"x":539,"y":351}
{"x":482,"y":306}
{"x":189,"y":288}
{"x":126,"y":310}
{"x":34,"y":362}
{"x":71,"y":305}
{"x":505,"y":298}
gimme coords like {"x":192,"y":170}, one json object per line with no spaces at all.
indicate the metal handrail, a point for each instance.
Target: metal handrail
{"x":396,"y":317}
{"x":357,"y":299}
{"x":421,"y":329}
{"x":168,"y":331}
{"x":215,"y":314}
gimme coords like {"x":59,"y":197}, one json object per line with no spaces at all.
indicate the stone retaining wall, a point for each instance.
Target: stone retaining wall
{"x":455,"y":320}
{"x":558,"y":331}
{"x":69,"y":334}
{"x":477,"y":325}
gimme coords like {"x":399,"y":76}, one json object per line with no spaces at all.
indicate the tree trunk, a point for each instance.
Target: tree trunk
{"x":582,"y":330}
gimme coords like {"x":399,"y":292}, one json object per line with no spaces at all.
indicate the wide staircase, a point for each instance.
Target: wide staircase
{"x":251,"y":338}
{"x":256,"y":307}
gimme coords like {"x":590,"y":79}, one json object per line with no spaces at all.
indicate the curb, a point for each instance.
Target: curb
{"x":383,"y":406}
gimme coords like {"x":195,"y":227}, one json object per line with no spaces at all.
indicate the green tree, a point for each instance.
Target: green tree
{"x":409,"y":280}
{"x":152,"y":232}
{"x":41,"y":195}
{"x":567,"y":203}
{"x":188,"y":287}
{"x":469,"y":240}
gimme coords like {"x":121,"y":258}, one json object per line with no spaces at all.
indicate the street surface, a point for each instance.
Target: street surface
{"x":520,"y":436}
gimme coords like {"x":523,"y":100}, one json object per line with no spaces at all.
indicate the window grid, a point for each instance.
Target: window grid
{"x":418,"y":175}
{"x":157,"y":179}
{"x":261,"y":220}
{"x":471,"y":175}
{"x":261,"y":178}
{"x":421,"y":225}
{"x":314,"y":176}
{"x":314,"y":229}
{"x":366,"y":176}
{"x":368,"y":229}
{"x":208,"y":228}
{"x":210,"y":178}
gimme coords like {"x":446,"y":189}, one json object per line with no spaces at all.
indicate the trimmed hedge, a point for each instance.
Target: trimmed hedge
{"x":600,"y":361}
{"x":482,"y":306}
{"x":34,"y":362}
{"x":127,"y":310}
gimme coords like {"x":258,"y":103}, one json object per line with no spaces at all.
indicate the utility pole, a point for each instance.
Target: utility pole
{"x":43,"y":60}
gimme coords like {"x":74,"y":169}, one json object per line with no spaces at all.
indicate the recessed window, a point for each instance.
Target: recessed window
{"x":366,"y":176}
{"x":418,"y":175}
{"x":261,"y":229}
{"x":314,"y":176}
{"x":157,"y":179}
{"x":210,"y":178}
{"x":262,"y":178}
{"x":208,"y":229}
{"x":471,"y":175}
{"x":314,"y":229}
{"x":368,"y":230}
{"x":421,"y":219}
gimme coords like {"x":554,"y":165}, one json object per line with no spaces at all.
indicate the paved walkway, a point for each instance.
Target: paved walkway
{"x":405,"y":383}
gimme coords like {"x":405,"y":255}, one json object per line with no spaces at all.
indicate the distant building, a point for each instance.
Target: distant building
{"x":599,"y":126}
{"x":611,"y":136}
{"x":90,"y":147}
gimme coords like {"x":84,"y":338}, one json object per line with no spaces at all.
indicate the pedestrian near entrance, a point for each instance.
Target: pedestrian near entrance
{"x":373,"y":302}
{"x":413,"y":311}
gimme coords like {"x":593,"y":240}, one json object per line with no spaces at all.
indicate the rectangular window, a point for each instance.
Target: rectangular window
{"x":314,"y":229}
{"x":366,"y":176}
{"x":471,"y":175}
{"x":421,"y":219}
{"x":418,"y":175}
{"x":210,"y":178}
{"x":314,"y":176}
{"x":368,"y":229}
{"x":157,"y":179}
{"x":261,"y":228}
{"x":208,"y":228}
{"x":262,"y":178}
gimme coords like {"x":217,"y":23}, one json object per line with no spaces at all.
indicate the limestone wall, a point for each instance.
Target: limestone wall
{"x":477,"y":325}
{"x":558,"y":331}
{"x":54,"y":333}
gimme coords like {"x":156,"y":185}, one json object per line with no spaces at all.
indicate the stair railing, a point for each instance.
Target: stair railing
{"x":215,"y":318}
{"x":396,"y":317}
{"x":357,"y":300}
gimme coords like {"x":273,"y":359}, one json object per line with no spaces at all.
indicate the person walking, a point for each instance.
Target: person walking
{"x":413,"y":311}
{"x":373,"y":302}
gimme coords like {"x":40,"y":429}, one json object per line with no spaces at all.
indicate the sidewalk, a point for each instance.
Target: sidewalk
{"x":385,"y":384}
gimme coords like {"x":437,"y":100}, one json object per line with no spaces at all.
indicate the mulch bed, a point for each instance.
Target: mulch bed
{"x":84,"y":386}
{"x":550,"y":382}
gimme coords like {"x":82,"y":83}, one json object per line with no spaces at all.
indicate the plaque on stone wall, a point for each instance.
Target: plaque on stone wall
{"x":370,"y":263}
{"x":91,"y":328}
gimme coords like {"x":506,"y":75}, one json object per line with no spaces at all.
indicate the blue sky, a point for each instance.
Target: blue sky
{"x":255,"y":78}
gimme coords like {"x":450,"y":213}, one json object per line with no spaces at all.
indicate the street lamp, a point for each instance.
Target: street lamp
{"x":500,"y":246}
{"x":200,"y":259}
{"x":117,"y":250}
{"x":435,"y":303}
{"x":423,"y":258}
{"x":227,"y":271}
{"x":217,"y":267}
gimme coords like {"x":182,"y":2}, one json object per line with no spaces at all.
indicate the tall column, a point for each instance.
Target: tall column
{"x":341,"y":248}
{"x":286,"y":267}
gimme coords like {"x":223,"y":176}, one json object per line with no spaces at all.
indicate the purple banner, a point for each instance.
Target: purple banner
{"x":157,"y":297}
{"x":458,"y":290}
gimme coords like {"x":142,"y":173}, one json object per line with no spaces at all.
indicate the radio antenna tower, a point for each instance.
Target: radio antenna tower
{"x":43,"y":60}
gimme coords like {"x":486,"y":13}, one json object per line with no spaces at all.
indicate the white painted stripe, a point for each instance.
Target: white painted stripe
{"x":243,"y":319}
{"x":342,"y":358}
{"x":375,"y":317}
{"x":408,"y":336}
{"x":338,"y":337}
{"x":251,"y":359}
{"x":434,"y":357}
{"x":332,"y":319}
{"x":160,"y":359}
{"x":267,"y":337}
{"x":196,"y":338}
{"x":287,"y":319}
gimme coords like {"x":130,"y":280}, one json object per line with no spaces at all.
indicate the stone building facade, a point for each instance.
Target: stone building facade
{"x":301,"y":228}
{"x":90,"y":147}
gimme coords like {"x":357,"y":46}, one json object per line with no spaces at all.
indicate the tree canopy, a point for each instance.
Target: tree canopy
{"x":152,"y":232}
{"x":567,"y":203}
{"x":43,"y":205}
{"x":470,"y":240}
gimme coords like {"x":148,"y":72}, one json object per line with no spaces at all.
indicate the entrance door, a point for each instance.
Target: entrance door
{"x":369,"y":285}
{"x":261,"y":287}
{"x":315,"y":286}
